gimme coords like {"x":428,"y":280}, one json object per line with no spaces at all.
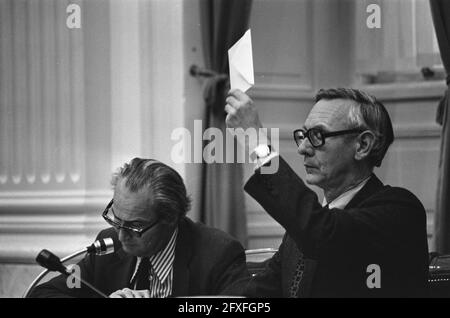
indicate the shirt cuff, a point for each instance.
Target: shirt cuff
{"x":261,"y":162}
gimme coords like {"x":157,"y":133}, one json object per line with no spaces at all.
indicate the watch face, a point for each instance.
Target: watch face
{"x":262,"y":151}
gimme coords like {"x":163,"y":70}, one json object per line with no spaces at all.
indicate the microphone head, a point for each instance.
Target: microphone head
{"x":103,"y":246}
{"x":50,"y":261}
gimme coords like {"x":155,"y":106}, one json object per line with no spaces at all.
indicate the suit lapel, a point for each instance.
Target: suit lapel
{"x":372,"y":186}
{"x":183,"y":253}
{"x":120,"y":270}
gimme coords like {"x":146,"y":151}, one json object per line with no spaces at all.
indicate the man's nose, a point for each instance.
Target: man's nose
{"x":305,"y":148}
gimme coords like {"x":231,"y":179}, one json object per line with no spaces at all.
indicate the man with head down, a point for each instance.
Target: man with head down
{"x":163,"y":253}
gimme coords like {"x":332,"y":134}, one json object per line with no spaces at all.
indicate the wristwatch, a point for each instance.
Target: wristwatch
{"x":261,"y":152}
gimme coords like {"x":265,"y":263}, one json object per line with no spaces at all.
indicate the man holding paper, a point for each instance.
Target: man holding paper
{"x":365,"y":239}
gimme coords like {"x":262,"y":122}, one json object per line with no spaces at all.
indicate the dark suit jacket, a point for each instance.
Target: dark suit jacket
{"x":207,"y":261}
{"x":381,"y":225}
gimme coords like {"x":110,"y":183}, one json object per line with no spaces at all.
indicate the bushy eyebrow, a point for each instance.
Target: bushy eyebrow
{"x":321,"y":126}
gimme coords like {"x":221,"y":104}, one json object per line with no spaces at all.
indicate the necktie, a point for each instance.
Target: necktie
{"x":298,"y":274}
{"x":142,"y":277}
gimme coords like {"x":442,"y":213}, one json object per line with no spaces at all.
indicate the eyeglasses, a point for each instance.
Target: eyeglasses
{"x":118,"y":224}
{"x":317,"y":137}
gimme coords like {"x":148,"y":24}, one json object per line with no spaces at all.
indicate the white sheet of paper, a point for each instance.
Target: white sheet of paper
{"x":240,"y":59}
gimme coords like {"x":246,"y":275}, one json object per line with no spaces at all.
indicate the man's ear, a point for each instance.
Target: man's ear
{"x":364,"y":144}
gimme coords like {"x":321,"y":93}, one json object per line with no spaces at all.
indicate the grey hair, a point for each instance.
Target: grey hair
{"x":167,"y":191}
{"x":367,"y":113}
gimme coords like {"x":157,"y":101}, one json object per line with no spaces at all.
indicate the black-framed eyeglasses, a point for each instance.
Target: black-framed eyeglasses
{"x":317,"y":136}
{"x":118,"y":224}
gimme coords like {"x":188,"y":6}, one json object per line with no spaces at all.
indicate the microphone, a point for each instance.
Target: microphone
{"x":102,"y":247}
{"x":52,"y":262}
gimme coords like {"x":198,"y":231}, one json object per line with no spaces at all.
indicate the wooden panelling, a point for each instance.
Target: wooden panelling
{"x":283,"y":37}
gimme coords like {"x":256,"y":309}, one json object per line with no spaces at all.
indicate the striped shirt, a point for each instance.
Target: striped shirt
{"x":161,"y":269}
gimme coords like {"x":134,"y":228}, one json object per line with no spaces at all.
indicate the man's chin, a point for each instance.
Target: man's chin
{"x":130,"y":251}
{"x":312,"y":179}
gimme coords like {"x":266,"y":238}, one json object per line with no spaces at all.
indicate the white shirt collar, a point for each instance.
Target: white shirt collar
{"x":341,"y":201}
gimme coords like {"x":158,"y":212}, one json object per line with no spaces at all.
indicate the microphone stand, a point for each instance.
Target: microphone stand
{"x":65,"y":259}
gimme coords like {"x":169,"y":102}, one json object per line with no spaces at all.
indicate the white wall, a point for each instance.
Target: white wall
{"x":75,"y":105}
